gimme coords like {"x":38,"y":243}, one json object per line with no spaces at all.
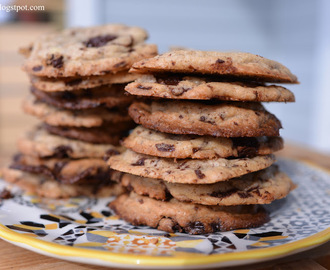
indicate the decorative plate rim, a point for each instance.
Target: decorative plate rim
{"x":180,"y":260}
{"x":147,"y":260}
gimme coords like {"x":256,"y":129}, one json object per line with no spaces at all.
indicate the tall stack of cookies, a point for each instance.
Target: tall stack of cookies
{"x":78,"y":77}
{"x":202,"y":158}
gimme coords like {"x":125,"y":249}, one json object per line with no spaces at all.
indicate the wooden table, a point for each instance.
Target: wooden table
{"x":14,"y":85}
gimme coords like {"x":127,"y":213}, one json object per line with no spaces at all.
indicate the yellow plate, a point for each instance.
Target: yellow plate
{"x":84,"y":230}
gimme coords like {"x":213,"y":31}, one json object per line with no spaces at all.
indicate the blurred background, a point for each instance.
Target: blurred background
{"x":295,"y":33}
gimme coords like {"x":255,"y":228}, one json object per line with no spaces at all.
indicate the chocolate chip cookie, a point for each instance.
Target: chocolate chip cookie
{"x":175,"y":216}
{"x":154,"y":143}
{"x":260,"y":187}
{"x":226,"y":119}
{"x":44,"y":186}
{"x":109,"y":96}
{"x":78,"y":118}
{"x":65,"y":170}
{"x":87,"y":51}
{"x":39,"y":143}
{"x":206,"y":88}
{"x":187,"y":171}
{"x":232,"y":64}
{"x":107,"y":134}
{"x":49,"y":84}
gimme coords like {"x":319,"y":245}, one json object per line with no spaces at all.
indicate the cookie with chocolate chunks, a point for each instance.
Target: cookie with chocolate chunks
{"x":108,"y":96}
{"x":88,"y":51}
{"x":107,"y":134}
{"x":232,"y":64}
{"x":65,"y":170}
{"x":155,"y":143}
{"x":226,"y":119}
{"x":44,"y":186}
{"x":49,"y":84}
{"x":188,"y":171}
{"x":260,"y":187}
{"x":77,"y":118}
{"x":174,"y":216}
{"x":39,"y":143}
{"x":206,"y":88}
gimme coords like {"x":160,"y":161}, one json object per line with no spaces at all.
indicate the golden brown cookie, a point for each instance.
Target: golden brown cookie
{"x":234,"y":64}
{"x":44,"y":186}
{"x":76,"y":118}
{"x":65,"y":170}
{"x":226,"y":119}
{"x":206,"y":88}
{"x":154,"y":143}
{"x":187,"y":171}
{"x":87,"y":51}
{"x":39,"y":143}
{"x":175,"y":216}
{"x":76,"y":83}
{"x":108,"y":96}
{"x":260,"y":187}
{"x":106,"y":134}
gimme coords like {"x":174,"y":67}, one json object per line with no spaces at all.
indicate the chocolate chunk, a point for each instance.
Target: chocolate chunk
{"x":99,"y":41}
{"x":219,"y":61}
{"x":144,"y":88}
{"x":176,"y":227}
{"x":141,"y":201}
{"x":37,"y":68}
{"x":204,"y":119}
{"x":62,"y":151}
{"x":196,"y":227}
{"x":56,"y":62}
{"x":223,"y":194}
{"x":139,"y":162}
{"x":199,"y":174}
{"x":244,"y":195}
{"x":247,"y":147}
{"x":163,"y":147}
{"x":216,"y":227}
{"x":172,"y":80}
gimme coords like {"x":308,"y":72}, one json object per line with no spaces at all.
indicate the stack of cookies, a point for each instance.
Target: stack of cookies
{"x":78,"y":78}
{"x":202,"y":158}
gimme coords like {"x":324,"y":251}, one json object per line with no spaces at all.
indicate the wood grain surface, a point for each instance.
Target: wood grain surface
{"x":14,"y":86}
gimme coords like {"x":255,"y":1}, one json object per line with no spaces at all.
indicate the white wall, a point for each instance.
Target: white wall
{"x":295,"y":33}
